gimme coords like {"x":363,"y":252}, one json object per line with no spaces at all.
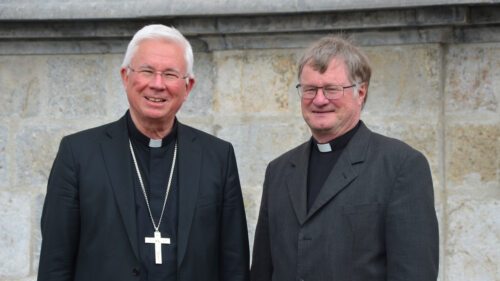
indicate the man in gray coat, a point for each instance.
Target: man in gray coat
{"x":348,"y":204}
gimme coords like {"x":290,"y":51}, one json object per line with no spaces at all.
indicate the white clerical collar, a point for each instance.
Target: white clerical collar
{"x":155,"y":143}
{"x":324,"y":147}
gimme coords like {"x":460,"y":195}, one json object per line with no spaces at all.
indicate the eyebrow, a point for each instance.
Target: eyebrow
{"x":326,"y":85}
{"x":170,"y":69}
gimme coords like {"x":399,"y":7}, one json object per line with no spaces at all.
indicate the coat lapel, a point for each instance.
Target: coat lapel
{"x":340,"y":176}
{"x":117,"y":161}
{"x":344,"y":171}
{"x":297,"y":181}
{"x":190,"y":159}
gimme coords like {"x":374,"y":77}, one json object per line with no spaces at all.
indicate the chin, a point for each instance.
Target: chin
{"x":154,"y":116}
{"x":322,"y":130}
{"x":321,"y":126}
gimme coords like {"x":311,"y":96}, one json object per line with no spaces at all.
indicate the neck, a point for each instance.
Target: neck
{"x":324,"y":136}
{"x":153,"y":129}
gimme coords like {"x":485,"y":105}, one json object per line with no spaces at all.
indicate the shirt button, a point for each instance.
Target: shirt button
{"x":136,"y":271}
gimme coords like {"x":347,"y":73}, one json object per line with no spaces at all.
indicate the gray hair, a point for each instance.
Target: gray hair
{"x":320,"y":54}
{"x":161,"y":32}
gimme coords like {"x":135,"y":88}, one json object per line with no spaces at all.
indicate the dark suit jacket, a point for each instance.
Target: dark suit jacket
{"x":89,"y":219}
{"x":374,"y":218}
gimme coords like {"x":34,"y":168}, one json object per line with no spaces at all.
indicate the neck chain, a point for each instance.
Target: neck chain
{"x":144,"y":190}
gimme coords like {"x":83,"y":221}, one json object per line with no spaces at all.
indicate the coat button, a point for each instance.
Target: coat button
{"x":136,"y":271}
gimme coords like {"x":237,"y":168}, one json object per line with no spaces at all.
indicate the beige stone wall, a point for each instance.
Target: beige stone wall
{"x":441,"y":99}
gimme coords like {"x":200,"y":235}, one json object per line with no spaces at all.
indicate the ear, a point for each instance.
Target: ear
{"x":362,"y":93}
{"x":189,"y":86}
{"x":124,"y":75}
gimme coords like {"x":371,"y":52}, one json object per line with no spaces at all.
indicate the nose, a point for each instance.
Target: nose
{"x":320,"y":98}
{"x":157,"y":81}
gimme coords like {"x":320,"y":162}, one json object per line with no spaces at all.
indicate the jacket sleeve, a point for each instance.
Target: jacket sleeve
{"x":412,"y":239}
{"x":60,"y":223}
{"x":262,"y":268}
{"x":234,"y":233}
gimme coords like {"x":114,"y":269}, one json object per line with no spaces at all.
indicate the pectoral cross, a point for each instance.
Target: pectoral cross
{"x":157,"y":240}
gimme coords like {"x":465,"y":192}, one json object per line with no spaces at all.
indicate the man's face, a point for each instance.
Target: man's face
{"x":329,"y":119}
{"x":156,"y":99}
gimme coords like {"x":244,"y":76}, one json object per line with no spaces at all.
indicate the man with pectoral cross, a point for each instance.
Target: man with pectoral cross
{"x":146,"y":198}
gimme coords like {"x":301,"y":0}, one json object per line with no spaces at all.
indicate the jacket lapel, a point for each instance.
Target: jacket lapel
{"x":117,"y":161}
{"x":297,"y":181}
{"x":190,"y":159}
{"x":344,"y":171}
{"x":340,"y":176}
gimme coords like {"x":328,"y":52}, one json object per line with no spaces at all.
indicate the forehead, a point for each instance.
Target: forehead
{"x":159,"y":53}
{"x":335,"y":72}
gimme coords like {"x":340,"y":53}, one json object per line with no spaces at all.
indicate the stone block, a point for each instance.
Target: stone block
{"x":472,"y":149}
{"x":60,"y":47}
{"x":405,"y":80}
{"x":35,"y":152}
{"x":200,"y":100}
{"x":258,"y":142}
{"x":15,"y":234}
{"x":442,"y":226}
{"x":71,"y":10}
{"x":251,"y":197}
{"x":36,"y":232}
{"x":21,"y":86}
{"x":473,"y":237}
{"x":116,"y":97}
{"x":324,"y":20}
{"x":4,"y":168}
{"x":29,"y":278}
{"x":472,"y":82}
{"x":205,"y":123}
{"x":254,"y":81}
{"x":76,"y":86}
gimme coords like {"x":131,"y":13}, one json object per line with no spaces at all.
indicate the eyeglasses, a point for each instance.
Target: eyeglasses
{"x":331,"y":92}
{"x":149,"y":73}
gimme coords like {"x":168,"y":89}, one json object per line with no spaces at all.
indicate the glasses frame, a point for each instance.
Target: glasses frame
{"x":163,"y":74}
{"x":299,"y":86}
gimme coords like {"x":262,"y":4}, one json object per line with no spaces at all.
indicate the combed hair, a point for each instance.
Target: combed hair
{"x":161,"y":32}
{"x":320,"y":54}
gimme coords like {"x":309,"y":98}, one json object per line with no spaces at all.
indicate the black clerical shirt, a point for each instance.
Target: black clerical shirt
{"x":322,"y":163}
{"x":154,"y":164}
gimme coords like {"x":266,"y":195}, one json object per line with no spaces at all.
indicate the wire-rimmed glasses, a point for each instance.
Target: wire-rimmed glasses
{"x":330,"y":92}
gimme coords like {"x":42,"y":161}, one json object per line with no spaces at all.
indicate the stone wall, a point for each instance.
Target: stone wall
{"x":435,"y":85}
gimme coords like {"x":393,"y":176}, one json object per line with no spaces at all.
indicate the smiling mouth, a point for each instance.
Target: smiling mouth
{"x":155,"y":99}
